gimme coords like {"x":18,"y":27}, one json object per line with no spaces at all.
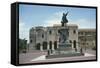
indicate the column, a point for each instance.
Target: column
{"x":72,"y":45}
{"x":52,"y":46}
{"x":41,"y":47}
{"x":77,"y":46}
{"x":57,"y":45}
{"x":48,"y":47}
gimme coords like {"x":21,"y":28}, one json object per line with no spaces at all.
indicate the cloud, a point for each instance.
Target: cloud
{"x":23,"y":31}
{"x":54,"y":19}
{"x":81,"y":22}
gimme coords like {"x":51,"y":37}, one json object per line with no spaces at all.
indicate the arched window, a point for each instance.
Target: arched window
{"x":38,"y":46}
{"x":74,"y":43}
{"x":44,"y":45}
{"x":70,"y":41}
{"x":50,"y":32}
{"x":50,"y":44}
{"x":74,"y":32}
{"x":42,"y":35}
{"x":30,"y":41}
{"x":55,"y":44}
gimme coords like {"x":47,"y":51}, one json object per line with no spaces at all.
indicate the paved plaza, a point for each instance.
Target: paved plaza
{"x":40,"y":56}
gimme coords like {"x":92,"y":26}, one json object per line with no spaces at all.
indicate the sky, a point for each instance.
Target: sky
{"x":36,"y":15}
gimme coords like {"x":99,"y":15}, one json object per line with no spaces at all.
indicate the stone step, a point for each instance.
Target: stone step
{"x":64,"y":55}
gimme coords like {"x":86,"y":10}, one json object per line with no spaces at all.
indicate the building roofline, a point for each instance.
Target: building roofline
{"x":66,"y":24}
{"x":86,"y":29}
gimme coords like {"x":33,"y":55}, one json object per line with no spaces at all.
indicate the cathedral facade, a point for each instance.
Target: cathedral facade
{"x":47,"y":38}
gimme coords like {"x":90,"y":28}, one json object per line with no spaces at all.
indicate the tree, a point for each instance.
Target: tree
{"x":22,"y":45}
